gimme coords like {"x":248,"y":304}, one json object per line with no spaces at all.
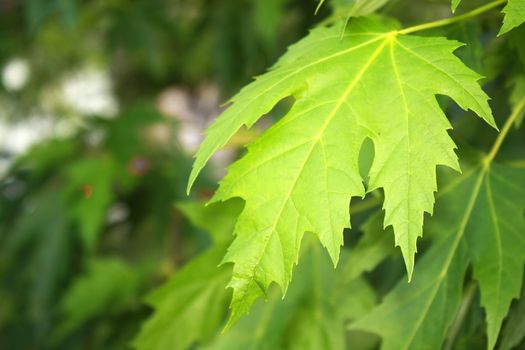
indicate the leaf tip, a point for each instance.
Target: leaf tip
{"x":505,"y":28}
{"x":454,"y":5}
{"x":409,"y":263}
{"x":410,"y":271}
{"x":231,"y":321}
{"x":193,"y":176}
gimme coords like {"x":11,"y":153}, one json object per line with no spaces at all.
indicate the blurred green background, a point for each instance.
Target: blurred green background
{"x":102,"y":105}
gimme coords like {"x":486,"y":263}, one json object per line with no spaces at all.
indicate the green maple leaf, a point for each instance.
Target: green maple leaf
{"x":485,"y":208}
{"x":514,"y":14}
{"x":300,"y":175}
{"x":496,"y":241}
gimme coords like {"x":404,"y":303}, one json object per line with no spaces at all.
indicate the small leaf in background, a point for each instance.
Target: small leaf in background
{"x":514,"y":15}
{"x":43,"y":237}
{"x":108,"y":286}
{"x":192,"y":305}
{"x":373,"y":247}
{"x":47,"y":155}
{"x":217,"y":219}
{"x":472,"y":53}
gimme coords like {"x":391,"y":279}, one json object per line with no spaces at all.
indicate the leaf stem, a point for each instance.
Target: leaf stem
{"x":505,"y":130}
{"x":447,"y":21}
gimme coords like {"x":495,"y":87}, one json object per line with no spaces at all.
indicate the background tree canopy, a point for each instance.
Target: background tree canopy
{"x":103,"y":104}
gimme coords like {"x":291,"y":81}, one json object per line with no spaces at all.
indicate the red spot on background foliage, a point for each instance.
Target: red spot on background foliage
{"x":87,"y":191}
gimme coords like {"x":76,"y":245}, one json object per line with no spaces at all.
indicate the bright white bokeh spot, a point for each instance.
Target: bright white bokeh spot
{"x":89,"y":92}
{"x":15,"y":74}
{"x":17,"y":138}
{"x":189,"y":136}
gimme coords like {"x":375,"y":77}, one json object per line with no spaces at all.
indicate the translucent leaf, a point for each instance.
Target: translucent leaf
{"x":301,"y":174}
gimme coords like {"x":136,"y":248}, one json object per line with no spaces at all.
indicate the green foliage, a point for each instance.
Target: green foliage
{"x":311,"y":317}
{"x":485,"y":227}
{"x":190,"y":309}
{"x":90,"y":188}
{"x":514,"y":331}
{"x":37,"y":11}
{"x":295,"y":178}
{"x":109,"y":286}
{"x":101,"y":248}
{"x":417,"y":315}
{"x":497,"y":259}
